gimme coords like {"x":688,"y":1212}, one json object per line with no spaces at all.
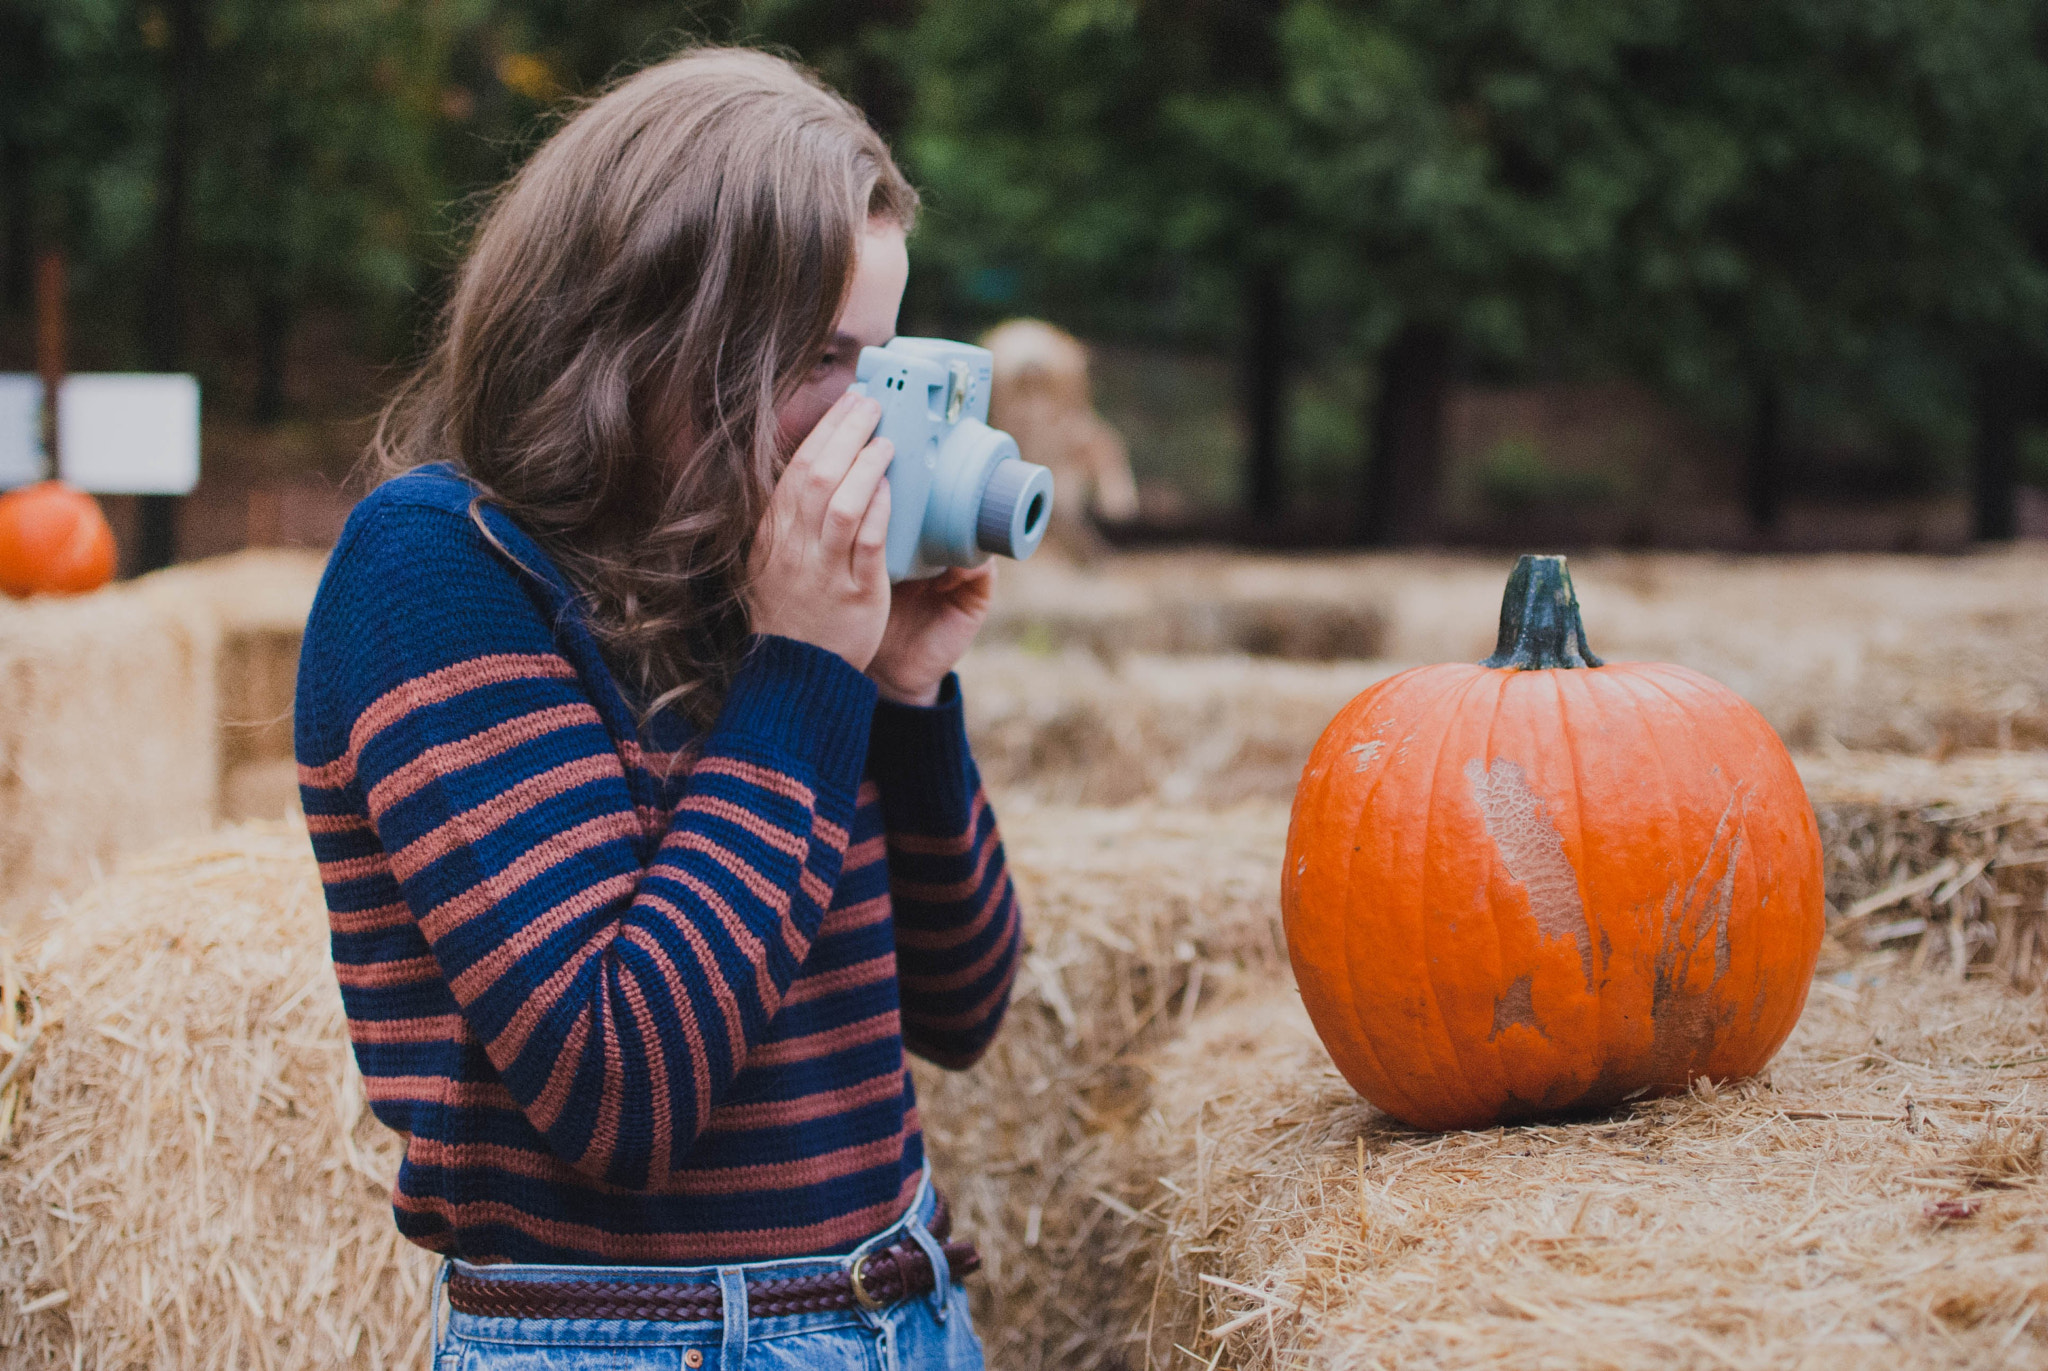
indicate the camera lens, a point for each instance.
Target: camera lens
{"x":1014,"y":506}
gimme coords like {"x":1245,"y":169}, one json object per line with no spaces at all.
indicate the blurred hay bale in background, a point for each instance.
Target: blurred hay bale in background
{"x":261,"y":599}
{"x":1946,"y":859}
{"x":108,"y":724}
{"x":195,"y":1179}
{"x":1876,"y":1200}
{"x":1206,"y":731}
{"x":126,"y":716}
{"x":1875,"y":653}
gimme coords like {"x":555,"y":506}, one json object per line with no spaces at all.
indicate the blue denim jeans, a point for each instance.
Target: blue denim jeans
{"x":930,"y":1332}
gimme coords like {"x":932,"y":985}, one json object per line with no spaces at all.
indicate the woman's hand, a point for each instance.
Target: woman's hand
{"x":818,"y":571}
{"x":931,"y":624}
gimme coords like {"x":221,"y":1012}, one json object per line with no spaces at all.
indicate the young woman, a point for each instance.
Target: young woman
{"x":644,"y":807}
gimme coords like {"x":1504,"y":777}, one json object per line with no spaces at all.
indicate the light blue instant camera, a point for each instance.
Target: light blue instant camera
{"x":958,"y":491}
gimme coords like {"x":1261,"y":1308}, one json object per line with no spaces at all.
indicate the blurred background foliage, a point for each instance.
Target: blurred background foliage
{"x":1811,"y":232}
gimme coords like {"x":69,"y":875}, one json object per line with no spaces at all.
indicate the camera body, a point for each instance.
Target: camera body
{"x":958,"y":490}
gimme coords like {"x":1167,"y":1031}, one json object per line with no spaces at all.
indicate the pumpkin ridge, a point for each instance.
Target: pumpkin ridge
{"x":1377,"y":698}
{"x":1596,"y":982}
{"x":1440,"y":1023}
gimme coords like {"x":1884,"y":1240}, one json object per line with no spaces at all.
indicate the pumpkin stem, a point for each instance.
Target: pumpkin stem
{"x":1539,"y":620}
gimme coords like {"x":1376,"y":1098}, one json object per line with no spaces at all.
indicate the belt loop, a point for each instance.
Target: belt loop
{"x":435,"y":1328}
{"x":942,"y":1270}
{"x":732,"y":1290}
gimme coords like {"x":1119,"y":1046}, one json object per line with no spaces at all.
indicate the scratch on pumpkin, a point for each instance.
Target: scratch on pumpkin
{"x":1531,"y":848}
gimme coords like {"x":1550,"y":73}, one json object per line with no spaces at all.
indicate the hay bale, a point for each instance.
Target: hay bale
{"x":196,"y":1180}
{"x":1945,"y":860}
{"x":1135,"y":918}
{"x":1072,"y":728}
{"x":127,"y":715}
{"x":261,"y":598}
{"x":1873,"y":653}
{"x":1877,"y":1200}
{"x":108,"y":710}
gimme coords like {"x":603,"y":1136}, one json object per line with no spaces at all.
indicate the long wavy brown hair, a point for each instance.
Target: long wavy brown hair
{"x":638,"y":299}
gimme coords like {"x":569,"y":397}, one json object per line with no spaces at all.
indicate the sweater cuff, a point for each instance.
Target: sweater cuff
{"x":805,"y":703}
{"x":919,"y":760}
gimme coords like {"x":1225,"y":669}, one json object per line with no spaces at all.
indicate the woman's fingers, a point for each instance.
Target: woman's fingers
{"x":823,"y":460}
{"x":871,"y":544}
{"x":850,"y":504}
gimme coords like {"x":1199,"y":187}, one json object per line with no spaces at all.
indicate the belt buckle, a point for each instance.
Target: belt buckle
{"x":861,"y":1296}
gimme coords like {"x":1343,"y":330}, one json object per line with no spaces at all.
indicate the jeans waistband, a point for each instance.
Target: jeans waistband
{"x":731,"y":1279}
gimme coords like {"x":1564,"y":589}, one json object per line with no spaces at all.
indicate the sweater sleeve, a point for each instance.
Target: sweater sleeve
{"x":959,"y":936}
{"x":615,"y":961}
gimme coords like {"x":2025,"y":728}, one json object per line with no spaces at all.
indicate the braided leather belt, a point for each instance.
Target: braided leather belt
{"x":883,"y":1277}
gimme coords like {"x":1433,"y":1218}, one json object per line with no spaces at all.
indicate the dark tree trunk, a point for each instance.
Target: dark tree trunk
{"x":164,"y":303}
{"x":273,"y":339}
{"x":1405,"y":464}
{"x":1995,"y":451}
{"x":1763,"y":477}
{"x":17,"y":220}
{"x":1265,"y":391}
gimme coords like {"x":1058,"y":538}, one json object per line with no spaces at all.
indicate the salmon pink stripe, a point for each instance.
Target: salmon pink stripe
{"x":917,"y":845}
{"x":439,"y":1090}
{"x":686,"y":1020}
{"x":951,"y":892}
{"x":817,"y":986}
{"x":760,"y":777}
{"x":450,"y":681}
{"x":516,"y":1161}
{"x":721,"y":992}
{"x":759,"y":886}
{"x":512,"y":1039}
{"x":488,"y":969}
{"x":655,"y":1052}
{"x":743,"y":937}
{"x":354,"y":869}
{"x":603,"y":1143}
{"x":960,"y":976}
{"x":337,"y":823}
{"x":449,"y":758}
{"x":546,"y":1109}
{"x":854,"y":917}
{"x":669,"y":1249}
{"x":811,"y":1046}
{"x":943,"y":939}
{"x":493,"y":890}
{"x":818,"y":1170}
{"x":383,"y":975}
{"x":830,"y":834}
{"x":866,"y":852}
{"x":432,"y":1029}
{"x":745,"y":1118}
{"x":781,"y":839}
{"x":472,"y":826}
{"x":966,"y":1019}
{"x":373,"y":920}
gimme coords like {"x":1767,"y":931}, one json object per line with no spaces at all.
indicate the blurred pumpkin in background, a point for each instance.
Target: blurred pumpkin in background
{"x":1546,"y":885}
{"x":54,"y":540}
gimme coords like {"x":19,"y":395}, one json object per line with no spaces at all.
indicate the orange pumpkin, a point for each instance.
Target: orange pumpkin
{"x":54,"y":541}
{"x":1543,"y":884}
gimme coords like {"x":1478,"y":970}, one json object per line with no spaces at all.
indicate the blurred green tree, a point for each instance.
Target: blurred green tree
{"x":1715,"y":193}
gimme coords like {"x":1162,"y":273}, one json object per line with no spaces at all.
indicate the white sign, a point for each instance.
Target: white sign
{"x":129,"y":433}
{"x":21,"y":429}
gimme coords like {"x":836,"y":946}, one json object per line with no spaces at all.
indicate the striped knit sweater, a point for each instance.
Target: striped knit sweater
{"x":623,"y":1011}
